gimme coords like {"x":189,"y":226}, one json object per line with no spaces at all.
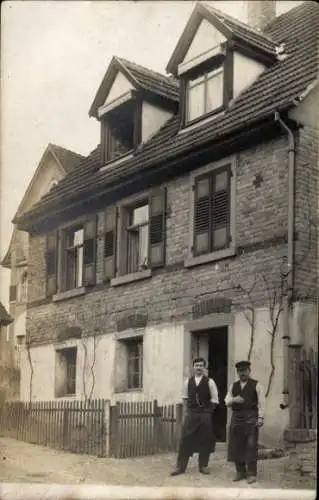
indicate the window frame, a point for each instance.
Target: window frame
{"x":68,"y":249}
{"x":222,"y":62}
{"x":193,"y":260}
{"x":106,"y":131}
{"x":58,"y":351}
{"x":138,"y":340}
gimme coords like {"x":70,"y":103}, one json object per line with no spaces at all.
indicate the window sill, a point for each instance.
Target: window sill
{"x":211,"y":257}
{"x":126,"y":391}
{"x":116,"y":161}
{"x":69,"y":294}
{"x":129,"y":278}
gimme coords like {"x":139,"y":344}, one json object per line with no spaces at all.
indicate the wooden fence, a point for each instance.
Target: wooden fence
{"x":308,"y":372}
{"x":76,"y":426}
{"x":94,"y":427}
{"x":144,"y":428}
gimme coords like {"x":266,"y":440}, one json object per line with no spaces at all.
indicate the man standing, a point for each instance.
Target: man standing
{"x":200,"y":399}
{"x":247,"y":400}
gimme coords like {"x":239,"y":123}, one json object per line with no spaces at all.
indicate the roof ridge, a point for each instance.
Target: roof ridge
{"x":51,"y":144}
{"x":240,"y":23}
{"x":167,"y":78}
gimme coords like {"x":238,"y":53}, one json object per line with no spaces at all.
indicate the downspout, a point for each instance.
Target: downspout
{"x":288,"y":297}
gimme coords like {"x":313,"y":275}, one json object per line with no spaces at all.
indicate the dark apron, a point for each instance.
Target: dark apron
{"x":197,"y":433}
{"x":243,"y":437}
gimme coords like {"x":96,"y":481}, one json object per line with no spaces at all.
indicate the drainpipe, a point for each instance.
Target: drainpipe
{"x":291,"y":216}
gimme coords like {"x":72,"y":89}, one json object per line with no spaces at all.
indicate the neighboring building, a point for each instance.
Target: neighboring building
{"x":55,"y":164}
{"x":139,"y":257}
{"x":7,"y":375}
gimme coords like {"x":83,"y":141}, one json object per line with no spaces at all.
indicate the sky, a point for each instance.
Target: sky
{"x":53,"y":58}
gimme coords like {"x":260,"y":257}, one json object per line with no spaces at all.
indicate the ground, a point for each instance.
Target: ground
{"x":23,"y":462}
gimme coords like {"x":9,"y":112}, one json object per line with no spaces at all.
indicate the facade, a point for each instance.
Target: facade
{"x":8,"y":377}
{"x":190,"y":230}
{"x":56,"y":163}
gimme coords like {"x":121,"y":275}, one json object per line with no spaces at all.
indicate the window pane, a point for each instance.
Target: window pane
{"x":203,"y":187}
{"x":202,"y":242}
{"x":140,"y":215}
{"x":195,"y":102}
{"x":79,"y":267}
{"x":220,"y":238}
{"x":221,"y":181}
{"x":132,"y":251}
{"x":78,"y":237}
{"x":143,"y":246}
{"x":215,"y":91}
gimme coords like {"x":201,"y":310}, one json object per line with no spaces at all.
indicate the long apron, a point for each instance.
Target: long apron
{"x":243,"y":437}
{"x":197,"y":433}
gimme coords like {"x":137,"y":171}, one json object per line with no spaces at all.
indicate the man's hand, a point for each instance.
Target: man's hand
{"x":260,"y":422}
{"x":238,"y":399}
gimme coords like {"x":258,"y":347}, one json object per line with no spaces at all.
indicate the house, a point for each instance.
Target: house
{"x":56,"y":163}
{"x":7,"y":378}
{"x":189,"y":229}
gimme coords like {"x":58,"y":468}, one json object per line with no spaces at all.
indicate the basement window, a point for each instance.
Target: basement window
{"x":65,"y":374}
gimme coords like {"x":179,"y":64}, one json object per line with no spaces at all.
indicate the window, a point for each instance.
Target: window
{"x":134,"y":239}
{"x":74,"y":242}
{"x":120,"y":131}
{"x":134,"y":363}
{"x":22,"y":288}
{"x":204,"y":94}
{"x":137,"y":237}
{"x":213,"y":211}
{"x":13,"y":293}
{"x":66,"y":371}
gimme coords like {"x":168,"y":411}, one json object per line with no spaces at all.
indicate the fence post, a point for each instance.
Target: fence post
{"x":157,"y":428}
{"x":114,"y":430}
{"x":107,"y":427}
{"x":65,"y":425}
{"x":179,"y":420}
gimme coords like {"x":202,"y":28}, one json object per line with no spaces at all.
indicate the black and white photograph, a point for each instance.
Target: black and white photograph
{"x":159,"y":237}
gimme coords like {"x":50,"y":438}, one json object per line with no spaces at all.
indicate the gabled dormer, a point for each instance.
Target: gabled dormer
{"x":216,"y":58}
{"x":131,"y":104}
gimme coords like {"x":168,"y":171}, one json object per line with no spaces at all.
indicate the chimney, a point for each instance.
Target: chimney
{"x":260,"y":13}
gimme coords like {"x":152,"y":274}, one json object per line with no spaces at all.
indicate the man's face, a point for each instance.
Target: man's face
{"x":199,"y":368}
{"x":243,"y":374}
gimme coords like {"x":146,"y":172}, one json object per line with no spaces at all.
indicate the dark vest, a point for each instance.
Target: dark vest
{"x":198,"y":395}
{"x":249,"y":394}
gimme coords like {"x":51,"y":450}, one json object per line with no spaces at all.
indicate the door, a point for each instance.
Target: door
{"x":217,"y":370}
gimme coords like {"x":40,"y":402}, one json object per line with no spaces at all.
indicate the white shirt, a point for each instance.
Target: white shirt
{"x":212,"y":387}
{"x":260,"y":396}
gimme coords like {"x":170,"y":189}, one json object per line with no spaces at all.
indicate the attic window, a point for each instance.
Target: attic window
{"x":208,"y":88}
{"x":120,"y":131}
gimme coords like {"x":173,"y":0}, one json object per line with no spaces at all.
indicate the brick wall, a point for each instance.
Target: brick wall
{"x":307,"y":170}
{"x":261,"y":217}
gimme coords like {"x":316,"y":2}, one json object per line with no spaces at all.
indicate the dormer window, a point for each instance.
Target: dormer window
{"x":208,"y":88}
{"x":204,"y":94}
{"x":120,"y":129}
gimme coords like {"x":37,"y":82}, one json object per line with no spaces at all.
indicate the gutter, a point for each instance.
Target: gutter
{"x":290,"y":277}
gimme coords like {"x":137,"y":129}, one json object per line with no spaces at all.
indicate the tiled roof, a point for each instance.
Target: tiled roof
{"x":275,"y":89}
{"x":68,"y":159}
{"x":244,"y":32}
{"x":151,"y":80}
{"x":5,"y":319}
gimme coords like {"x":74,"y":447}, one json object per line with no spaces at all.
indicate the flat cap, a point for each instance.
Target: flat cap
{"x":242,"y":364}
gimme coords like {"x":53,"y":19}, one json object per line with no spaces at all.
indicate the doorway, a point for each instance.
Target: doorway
{"x":217,"y":370}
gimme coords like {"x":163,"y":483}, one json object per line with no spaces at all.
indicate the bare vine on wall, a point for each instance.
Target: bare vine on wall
{"x":249,"y":313}
{"x":28,"y":346}
{"x":84,"y":341}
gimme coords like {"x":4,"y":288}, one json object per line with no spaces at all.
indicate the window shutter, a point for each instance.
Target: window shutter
{"x":89,"y":270}
{"x":104,"y":133}
{"x":110,"y":232}
{"x":157,"y":204}
{"x":51,"y":263}
{"x":221,"y":209}
{"x":202,"y":215}
{"x":13,"y":293}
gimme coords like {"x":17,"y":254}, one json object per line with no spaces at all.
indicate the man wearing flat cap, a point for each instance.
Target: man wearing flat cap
{"x":247,"y":400}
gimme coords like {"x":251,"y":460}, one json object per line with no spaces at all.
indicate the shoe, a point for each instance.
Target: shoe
{"x":177,"y":472}
{"x":204,"y":470}
{"x":239,"y":477}
{"x":251,"y":480}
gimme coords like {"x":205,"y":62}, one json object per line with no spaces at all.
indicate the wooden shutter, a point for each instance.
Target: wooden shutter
{"x":51,"y":263}
{"x":220,"y":203}
{"x":13,"y":293}
{"x":104,"y":134}
{"x":157,"y":202}
{"x":89,"y":268}
{"x":202,"y":214}
{"x":110,"y":232}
